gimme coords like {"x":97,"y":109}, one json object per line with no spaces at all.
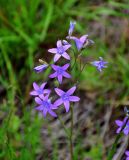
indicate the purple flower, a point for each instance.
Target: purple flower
{"x":99,"y":64}
{"x":66,"y":97}
{"x":60,"y":72}
{"x":80,"y":42}
{"x":120,"y":124}
{"x":40,"y":68}
{"x":45,"y":105}
{"x":71,"y":28}
{"x":127,"y":154}
{"x":60,"y":51}
{"x":39,"y":90}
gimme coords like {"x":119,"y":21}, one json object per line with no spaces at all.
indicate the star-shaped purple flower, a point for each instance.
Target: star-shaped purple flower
{"x":120,"y":124}
{"x":71,"y":28}
{"x":80,"y":42}
{"x":39,"y":90}
{"x":60,"y":72}
{"x":60,"y":51}
{"x":127,"y":154}
{"x":100,"y":64}
{"x":66,"y":97}
{"x":40,"y":68}
{"x":45,"y":105}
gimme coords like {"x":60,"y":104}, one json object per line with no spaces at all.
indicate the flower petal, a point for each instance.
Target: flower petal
{"x":53,"y":75}
{"x":60,"y":79}
{"x":66,"y":66}
{"x":71,"y":28}
{"x":58,"y":102}
{"x":65,"y":55}
{"x":36,"y":87}
{"x":42,"y":96}
{"x":126,"y":131}
{"x":83,"y":38}
{"x":59,"y":43}
{"x":119,"y":123}
{"x":33,"y":93}
{"x":67,"y":105}
{"x":59,"y":91}
{"x":53,"y":50}
{"x":53,"y":114}
{"x":125,"y":119}
{"x":71,"y":90}
{"x":127,"y":153}
{"x":118,"y":130}
{"x":67,"y":75}
{"x":66,"y":47}
{"x":56,"y":57}
{"x":45,"y":112}
{"x":43,"y":85}
{"x":55,"y":67}
{"x":74,"y":98}
{"x":40,"y":68}
{"x":79,"y":44}
{"x":38,"y":100}
{"x":39,"y":108}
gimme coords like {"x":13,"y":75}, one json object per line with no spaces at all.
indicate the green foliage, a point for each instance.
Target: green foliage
{"x":27,"y":30}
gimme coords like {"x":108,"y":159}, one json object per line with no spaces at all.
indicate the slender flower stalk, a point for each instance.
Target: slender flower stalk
{"x":71,"y":135}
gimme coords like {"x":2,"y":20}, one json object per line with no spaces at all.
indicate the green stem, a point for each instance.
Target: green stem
{"x":71,"y":135}
{"x":65,"y":129}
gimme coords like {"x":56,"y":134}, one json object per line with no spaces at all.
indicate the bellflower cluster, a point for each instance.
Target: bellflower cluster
{"x":42,"y":94}
{"x":123,"y":125}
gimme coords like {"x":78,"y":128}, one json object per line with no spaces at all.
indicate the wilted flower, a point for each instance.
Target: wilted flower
{"x":40,"y":68}
{"x":65,"y":42}
{"x":80,"y":42}
{"x":45,"y":105}
{"x":60,"y":51}
{"x":60,"y":72}
{"x":39,"y":90}
{"x":99,"y":64}
{"x":127,"y":154}
{"x":71,"y":28}
{"x":126,"y":110}
{"x":121,"y":124}
{"x":66,"y":97}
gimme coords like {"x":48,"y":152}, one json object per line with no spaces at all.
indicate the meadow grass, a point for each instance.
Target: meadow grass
{"x":28,"y":29}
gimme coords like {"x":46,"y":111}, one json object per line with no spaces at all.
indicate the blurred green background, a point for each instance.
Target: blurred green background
{"x":28,"y":28}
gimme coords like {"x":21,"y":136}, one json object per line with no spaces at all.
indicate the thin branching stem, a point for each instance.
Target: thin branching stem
{"x":71,"y":134}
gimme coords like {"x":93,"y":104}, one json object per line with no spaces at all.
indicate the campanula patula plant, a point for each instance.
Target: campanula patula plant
{"x":62,"y":65}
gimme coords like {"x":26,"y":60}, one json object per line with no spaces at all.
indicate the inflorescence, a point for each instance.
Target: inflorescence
{"x":60,"y":72}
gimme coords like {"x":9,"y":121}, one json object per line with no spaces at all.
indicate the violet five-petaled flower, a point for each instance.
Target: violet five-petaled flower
{"x":121,"y":124}
{"x":71,"y":28}
{"x":127,"y":154}
{"x":39,"y":90}
{"x":80,"y":42}
{"x":60,"y":51}
{"x":60,"y":72}
{"x":100,"y":64}
{"x":40,"y":68}
{"x":66,"y":97}
{"x":45,"y":105}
